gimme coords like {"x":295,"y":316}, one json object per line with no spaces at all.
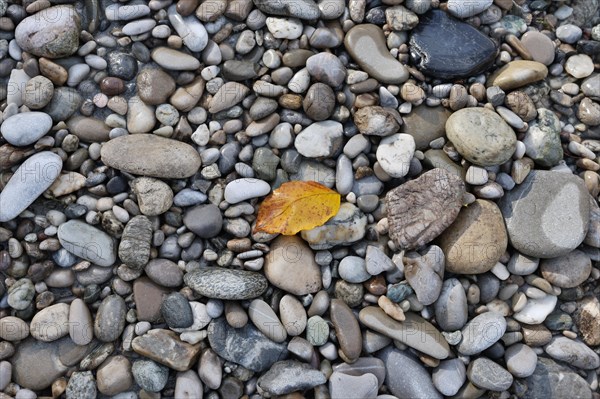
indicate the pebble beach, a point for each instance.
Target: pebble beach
{"x":138,"y":140}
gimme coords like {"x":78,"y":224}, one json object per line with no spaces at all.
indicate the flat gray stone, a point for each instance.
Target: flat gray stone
{"x":575,"y":353}
{"x":289,"y":376}
{"x":554,"y":381}
{"x":482,"y":332}
{"x":245,"y":346}
{"x":406,"y":377}
{"x":487,"y":374}
{"x":230,"y":284}
{"x":30,"y":180}
{"x":87,"y":242}
{"x":547,"y":215}
{"x":26,"y":128}
{"x":151,"y":155}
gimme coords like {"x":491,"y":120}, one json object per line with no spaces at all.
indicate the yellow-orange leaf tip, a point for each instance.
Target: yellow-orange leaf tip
{"x":296,"y":206}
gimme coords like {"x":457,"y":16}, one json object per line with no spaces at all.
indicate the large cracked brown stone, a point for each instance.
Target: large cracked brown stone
{"x":421,"y":209}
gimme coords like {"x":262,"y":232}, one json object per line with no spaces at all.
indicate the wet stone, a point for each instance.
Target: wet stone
{"x":463,"y":52}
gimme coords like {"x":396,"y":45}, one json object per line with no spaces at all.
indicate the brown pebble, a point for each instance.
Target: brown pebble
{"x":365,"y":100}
{"x":477,"y":90}
{"x":521,"y":104}
{"x":290,"y":101}
{"x":588,"y":164}
{"x":458,"y":97}
{"x":235,"y":315}
{"x":376,"y":285}
{"x":592,"y":182}
{"x":56,"y":73}
{"x":187,"y":7}
{"x":112,"y":86}
{"x":516,"y":45}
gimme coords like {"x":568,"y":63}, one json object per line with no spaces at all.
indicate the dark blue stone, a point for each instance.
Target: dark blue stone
{"x":443,"y":47}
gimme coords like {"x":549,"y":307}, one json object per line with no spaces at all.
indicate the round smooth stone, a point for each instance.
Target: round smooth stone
{"x":26,"y":128}
{"x":481,"y":136}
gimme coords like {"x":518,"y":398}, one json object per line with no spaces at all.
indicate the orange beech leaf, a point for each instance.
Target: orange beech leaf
{"x":296,"y":206}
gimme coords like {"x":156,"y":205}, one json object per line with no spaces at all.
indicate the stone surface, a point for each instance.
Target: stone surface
{"x":421,"y":209}
{"x":289,"y":376}
{"x":347,"y":329}
{"x":26,"y":128}
{"x":486,"y":374}
{"x":151,"y":155}
{"x":587,"y":320}
{"x":265,"y":319}
{"x":110,"y":318}
{"x":114,"y":375}
{"x":425,"y":124}
{"x":366,"y":44}
{"x":449,"y":376}
{"x":406,"y":377}
{"x":377,"y":121}
{"x":154,"y":197}
{"x":290,"y":265}
{"x":246,"y":346}
{"x":87,"y":242}
{"x":303,"y":9}
{"x":547,"y":215}
{"x":395,"y":153}
{"x":567,"y":271}
{"x":13,"y":329}
{"x":174,"y":60}
{"x":154,"y":86}
{"x":540,"y":46}
{"x":205,"y":221}
{"x":81,"y":385}
{"x":135,"y":245}
{"x":451,"y":309}
{"x":50,"y":323}
{"x":552,"y":380}
{"x":52,"y":32}
{"x":326,"y":68}
{"x":536,"y":310}
{"x":521,"y":360}
{"x":81,"y":327}
{"x":320,"y":139}
{"x":29,"y":181}
{"x":463,"y":52}
{"x":481,"y":136}
{"x":37,"y":364}
{"x":476,"y":240}
{"x":575,"y":353}
{"x":150,"y":376}
{"x":481,"y":332}
{"x":342,"y":386}
{"x":221,"y":283}
{"x":164,"y":347}
{"x":415,"y":331}
{"x":518,"y":73}
{"x":424,"y":272}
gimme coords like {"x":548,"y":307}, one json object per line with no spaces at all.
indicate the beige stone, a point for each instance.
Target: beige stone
{"x":476,"y":240}
{"x":291,"y":266}
{"x":518,"y":73}
{"x":114,"y":376}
